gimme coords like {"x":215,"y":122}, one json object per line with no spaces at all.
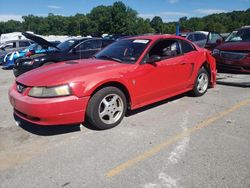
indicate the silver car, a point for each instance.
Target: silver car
{"x":13,"y":45}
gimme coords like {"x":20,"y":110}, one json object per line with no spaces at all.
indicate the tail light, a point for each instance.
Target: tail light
{"x":29,"y":53}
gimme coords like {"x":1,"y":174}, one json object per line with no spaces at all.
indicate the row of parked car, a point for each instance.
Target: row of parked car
{"x":23,"y":55}
{"x":41,"y":52}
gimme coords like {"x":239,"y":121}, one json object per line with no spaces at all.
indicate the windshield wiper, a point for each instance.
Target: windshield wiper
{"x":109,"y":58}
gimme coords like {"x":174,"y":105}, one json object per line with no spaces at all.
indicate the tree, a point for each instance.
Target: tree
{"x":119,"y":18}
{"x":157,"y":24}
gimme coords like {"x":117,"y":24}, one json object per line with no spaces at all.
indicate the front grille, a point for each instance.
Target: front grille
{"x":233,"y":55}
{"x":26,"y":116}
{"x":20,"y":87}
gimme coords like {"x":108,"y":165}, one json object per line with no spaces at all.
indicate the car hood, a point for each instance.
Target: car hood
{"x":70,"y":71}
{"x":237,"y":46}
{"x":38,"y":40}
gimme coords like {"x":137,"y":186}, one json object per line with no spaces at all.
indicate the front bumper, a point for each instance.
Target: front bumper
{"x":233,"y":67}
{"x":48,"y":111}
{"x":241,"y":65}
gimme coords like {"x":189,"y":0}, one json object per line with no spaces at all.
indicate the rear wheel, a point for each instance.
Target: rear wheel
{"x":201,"y":83}
{"x":106,"y":108}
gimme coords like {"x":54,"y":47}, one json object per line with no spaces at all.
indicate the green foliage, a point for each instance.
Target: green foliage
{"x":120,"y":18}
{"x":157,"y":24}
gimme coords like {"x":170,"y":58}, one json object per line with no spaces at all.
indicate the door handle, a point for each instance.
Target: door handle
{"x":183,"y":63}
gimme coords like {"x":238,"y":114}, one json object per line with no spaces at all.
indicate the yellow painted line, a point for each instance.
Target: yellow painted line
{"x":115,"y":171}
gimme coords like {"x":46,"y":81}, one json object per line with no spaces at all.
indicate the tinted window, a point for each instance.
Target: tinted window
{"x":165,"y":49}
{"x":106,"y":43}
{"x":23,"y":43}
{"x":67,"y":45}
{"x":96,"y":44}
{"x":190,"y":37}
{"x":89,"y":45}
{"x":186,"y":46}
{"x":200,"y":36}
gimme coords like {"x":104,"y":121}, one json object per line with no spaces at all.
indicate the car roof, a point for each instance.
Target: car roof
{"x":157,"y":36}
{"x":194,"y":32}
{"x":17,"y":40}
{"x":85,"y":38}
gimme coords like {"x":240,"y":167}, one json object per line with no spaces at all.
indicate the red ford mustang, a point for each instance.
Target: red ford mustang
{"x":128,"y":74}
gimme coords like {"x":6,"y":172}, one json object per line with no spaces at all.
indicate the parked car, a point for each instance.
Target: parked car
{"x":35,"y":48}
{"x":198,"y":37}
{"x":77,"y":48}
{"x":128,"y":74}
{"x":204,"y":39}
{"x":13,"y":45}
{"x":234,"y":54}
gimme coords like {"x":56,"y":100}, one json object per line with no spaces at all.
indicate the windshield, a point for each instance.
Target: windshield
{"x":66,"y":45}
{"x":124,"y":51}
{"x":241,"y":35}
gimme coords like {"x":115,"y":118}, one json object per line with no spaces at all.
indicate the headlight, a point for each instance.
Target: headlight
{"x":28,"y":63}
{"x":43,"y":92}
{"x":216,"y":52}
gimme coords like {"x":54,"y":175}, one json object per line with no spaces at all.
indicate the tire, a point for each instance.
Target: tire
{"x":106,"y":108}
{"x":201,"y":83}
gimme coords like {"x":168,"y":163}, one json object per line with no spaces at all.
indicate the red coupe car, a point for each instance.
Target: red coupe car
{"x":127,"y":74}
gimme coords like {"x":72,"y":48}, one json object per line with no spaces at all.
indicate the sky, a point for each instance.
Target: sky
{"x":169,"y":10}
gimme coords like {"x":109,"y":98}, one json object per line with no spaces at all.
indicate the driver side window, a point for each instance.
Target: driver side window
{"x":89,"y":45}
{"x":165,"y":49}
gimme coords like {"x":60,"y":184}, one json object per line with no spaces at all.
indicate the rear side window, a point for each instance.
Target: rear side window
{"x":96,"y":44}
{"x":186,"y":47}
{"x":23,"y":43}
{"x":213,"y":37}
{"x":199,"y":37}
{"x":11,"y":45}
{"x":190,"y":37}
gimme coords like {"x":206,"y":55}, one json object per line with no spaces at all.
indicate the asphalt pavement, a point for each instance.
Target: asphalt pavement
{"x":180,"y":142}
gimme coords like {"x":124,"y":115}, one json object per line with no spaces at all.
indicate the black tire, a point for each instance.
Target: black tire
{"x":99,"y":104}
{"x":197,"y":90}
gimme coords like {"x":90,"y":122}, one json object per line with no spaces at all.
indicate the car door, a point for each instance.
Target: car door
{"x":165,"y":77}
{"x":213,"y":40}
{"x":189,"y":58}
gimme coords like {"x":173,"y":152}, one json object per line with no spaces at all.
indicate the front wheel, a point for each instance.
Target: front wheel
{"x":106,"y":108}
{"x":201,"y":83}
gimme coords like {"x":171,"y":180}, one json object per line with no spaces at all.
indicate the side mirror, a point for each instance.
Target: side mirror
{"x":153,"y":59}
{"x":219,"y":41}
